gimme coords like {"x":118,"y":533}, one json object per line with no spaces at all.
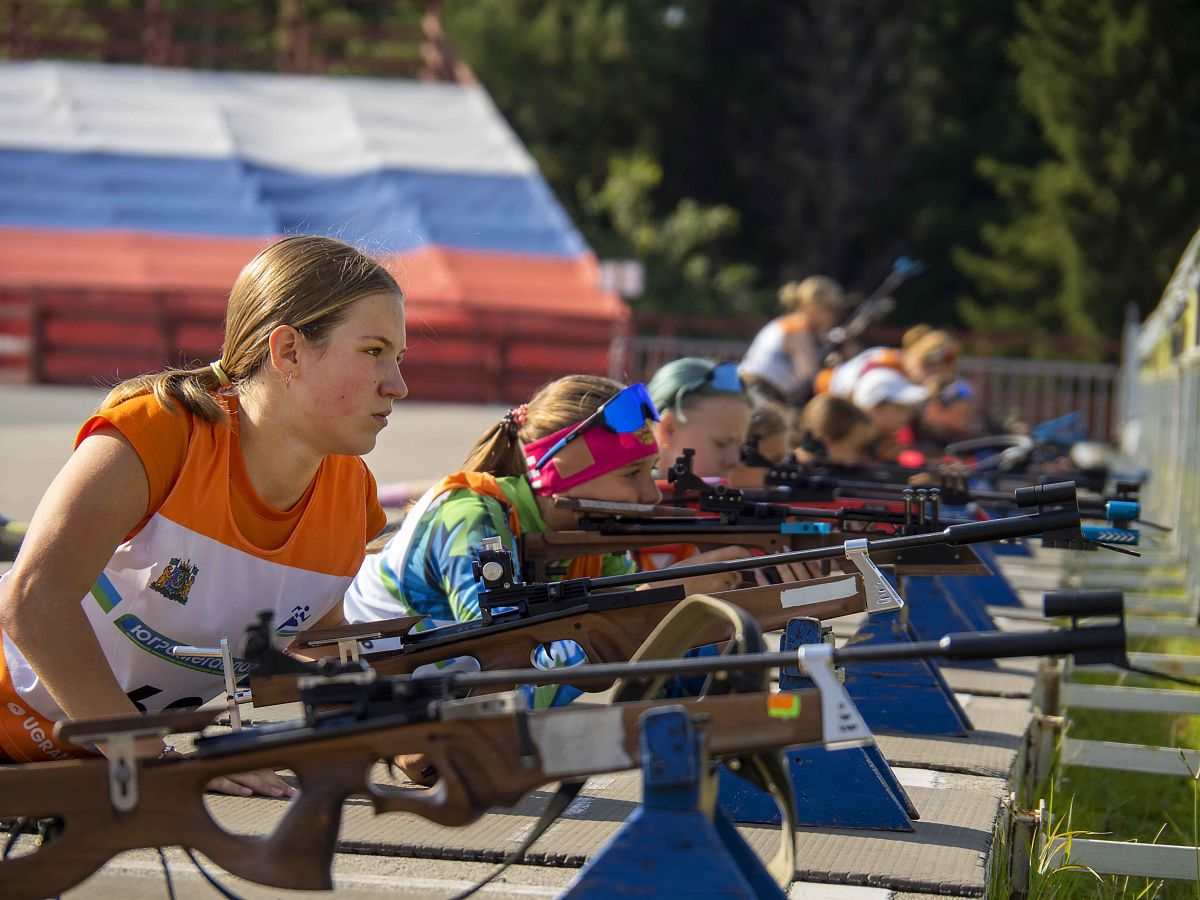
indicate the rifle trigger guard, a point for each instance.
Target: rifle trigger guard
{"x":842,"y":726}
{"x":881,"y":596}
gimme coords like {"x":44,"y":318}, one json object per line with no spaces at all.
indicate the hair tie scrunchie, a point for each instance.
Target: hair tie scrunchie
{"x":514,"y":420}
{"x":218,"y":370}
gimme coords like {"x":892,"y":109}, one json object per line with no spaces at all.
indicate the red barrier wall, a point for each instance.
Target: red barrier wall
{"x":95,"y":308}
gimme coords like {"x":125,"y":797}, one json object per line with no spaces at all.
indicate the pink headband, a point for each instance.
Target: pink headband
{"x":609,"y":451}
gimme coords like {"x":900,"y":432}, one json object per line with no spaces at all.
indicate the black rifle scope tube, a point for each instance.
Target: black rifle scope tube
{"x":1059,"y":492}
{"x":882,"y":490}
{"x":766,"y":510}
{"x":1083,"y":603}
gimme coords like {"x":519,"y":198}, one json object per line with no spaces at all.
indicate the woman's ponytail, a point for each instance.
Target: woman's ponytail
{"x":193,"y":389}
{"x":554,"y":407}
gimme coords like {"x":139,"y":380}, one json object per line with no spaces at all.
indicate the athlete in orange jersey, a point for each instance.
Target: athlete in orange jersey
{"x":196,"y":498}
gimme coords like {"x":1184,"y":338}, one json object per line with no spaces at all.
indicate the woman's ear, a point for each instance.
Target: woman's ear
{"x":284,"y":344}
{"x":666,"y":427}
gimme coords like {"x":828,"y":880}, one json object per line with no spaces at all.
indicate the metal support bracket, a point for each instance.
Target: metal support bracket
{"x":869,"y":795}
{"x":348,"y":647}
{"x":122,"y":772}
{"x":122,"y":761}
{"x":881,"y":596}
{"x":841,"y":723}
{"x":233,"y":695}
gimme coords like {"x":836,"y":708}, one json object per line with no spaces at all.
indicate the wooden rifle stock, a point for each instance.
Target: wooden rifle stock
{"x":483,"y":761}
{"x":613,"y":635}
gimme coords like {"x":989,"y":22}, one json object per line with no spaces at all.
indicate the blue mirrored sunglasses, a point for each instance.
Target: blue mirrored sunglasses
{"x":956,"y":390}
{"x":722,"y":377}
{"x":623,"y":413}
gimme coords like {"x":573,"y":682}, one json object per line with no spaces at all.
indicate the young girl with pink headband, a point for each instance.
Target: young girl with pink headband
{"x":580,"y":436}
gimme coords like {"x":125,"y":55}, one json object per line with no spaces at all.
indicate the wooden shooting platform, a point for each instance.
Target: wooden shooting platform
{"x":959,"y":786}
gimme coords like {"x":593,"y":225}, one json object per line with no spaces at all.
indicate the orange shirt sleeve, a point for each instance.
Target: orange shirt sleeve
{"x":376,"y":517}
{"x":794,"y":322}
{"x":160,"y":439}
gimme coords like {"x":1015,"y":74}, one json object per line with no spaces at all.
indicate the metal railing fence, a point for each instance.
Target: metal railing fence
{"x":1159,"y":422}
{"x":1161,"y":416}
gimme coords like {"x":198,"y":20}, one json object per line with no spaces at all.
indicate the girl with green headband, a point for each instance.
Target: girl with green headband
{"x":702,"y":407}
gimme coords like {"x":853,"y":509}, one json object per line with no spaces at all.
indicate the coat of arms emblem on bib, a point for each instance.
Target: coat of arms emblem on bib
{"x":176,"y":579}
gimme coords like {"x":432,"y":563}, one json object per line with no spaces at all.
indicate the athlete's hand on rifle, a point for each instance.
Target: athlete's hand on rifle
{"x":710,"y":584}
{"x":417,"y":768}
{"x":265,"y":782}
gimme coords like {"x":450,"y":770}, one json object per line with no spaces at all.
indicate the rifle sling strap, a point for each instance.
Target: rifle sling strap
{"x":673,"y":637}
{"x":563,"y":797}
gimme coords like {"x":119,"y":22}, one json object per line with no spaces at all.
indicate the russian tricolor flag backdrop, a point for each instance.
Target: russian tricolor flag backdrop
{"x":137,"y":178}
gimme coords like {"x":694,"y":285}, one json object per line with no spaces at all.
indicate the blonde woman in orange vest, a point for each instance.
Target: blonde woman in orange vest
{"x":580,"y":436}
{"x":196,"y":498}
{"x":784,"y":358}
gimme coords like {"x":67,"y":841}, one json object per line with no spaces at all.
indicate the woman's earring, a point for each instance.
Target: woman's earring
{"x":287,"y":382}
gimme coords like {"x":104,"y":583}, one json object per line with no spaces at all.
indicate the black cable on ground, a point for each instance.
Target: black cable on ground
{"x":162,"y":857}
{"x":216,"y":885}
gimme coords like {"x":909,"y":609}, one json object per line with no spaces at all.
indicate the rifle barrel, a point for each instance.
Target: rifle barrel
{"x":967,"y":533}
{"x":953,"y":646}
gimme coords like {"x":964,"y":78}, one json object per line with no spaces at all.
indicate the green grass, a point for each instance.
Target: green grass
{"x":1126,"y":806}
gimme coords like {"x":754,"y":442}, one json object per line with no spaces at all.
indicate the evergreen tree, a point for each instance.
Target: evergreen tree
{"x":962,"y":103}
{"x":1114,"y":89}
{"x":803,"y":111}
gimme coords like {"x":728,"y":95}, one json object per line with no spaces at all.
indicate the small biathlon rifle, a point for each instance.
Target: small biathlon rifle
{"x":766,"y":521}
{"x":826,"y":481}
{"x":905,"y":509}
{"x":875,"y":308}
{"x":610,"y":617}
{"x":793,"y":482}
{"x":771,"y":529}
{"x":487,"y":751}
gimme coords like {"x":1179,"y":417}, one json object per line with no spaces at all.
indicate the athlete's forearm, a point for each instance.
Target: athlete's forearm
{"x":96,"y":499}
{"x":62,"y":649}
